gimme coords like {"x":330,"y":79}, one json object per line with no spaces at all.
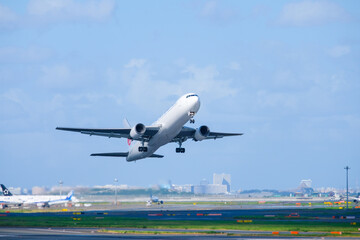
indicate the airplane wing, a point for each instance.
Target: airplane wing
{"x":214,"y":135}
{"x":113,"y":132}
{"x":187,"y":132}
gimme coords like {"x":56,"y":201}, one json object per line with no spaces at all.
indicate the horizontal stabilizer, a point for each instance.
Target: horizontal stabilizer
{"x":114,"y":154}
{"x":122,"y":154}
{"x":156,"y":156}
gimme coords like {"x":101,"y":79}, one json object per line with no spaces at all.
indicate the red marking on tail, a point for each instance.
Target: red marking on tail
{"x":129,"y":141}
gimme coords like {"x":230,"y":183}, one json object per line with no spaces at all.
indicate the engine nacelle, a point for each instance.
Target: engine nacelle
{"x":201,"y":133}
{"x":137,"y":131}
{"x":42,"y":205}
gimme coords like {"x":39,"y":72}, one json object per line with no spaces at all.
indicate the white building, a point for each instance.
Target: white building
{"x":222,"y":179}
{"x":210,"y":189}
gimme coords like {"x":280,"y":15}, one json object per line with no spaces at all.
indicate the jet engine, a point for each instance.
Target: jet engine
{"x":137,"y":131}
{"x":201,"y":133}
{"x":42,"y":204}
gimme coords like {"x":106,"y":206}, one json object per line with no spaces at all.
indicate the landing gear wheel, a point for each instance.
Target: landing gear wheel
{"x":192,"y":120}
{"x":143,"y":149}
{"x":180,"y":150}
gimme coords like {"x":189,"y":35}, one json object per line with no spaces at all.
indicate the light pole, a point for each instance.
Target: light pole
{"x":115,"y":181}
{"x":347,"y":187}
{"x":61,"y":183}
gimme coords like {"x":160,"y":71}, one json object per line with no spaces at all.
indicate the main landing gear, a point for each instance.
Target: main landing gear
{"x":180,"y":149}
{"x":143,"y":149}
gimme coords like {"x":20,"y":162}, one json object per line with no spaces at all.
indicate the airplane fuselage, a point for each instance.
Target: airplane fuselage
{"x":31,"y":199}
{"x":170,"y":125}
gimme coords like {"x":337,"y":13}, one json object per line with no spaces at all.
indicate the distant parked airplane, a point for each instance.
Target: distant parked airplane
{"x":40,"y":201}
{"x":168,"y":128}
{"x":154,"y":200}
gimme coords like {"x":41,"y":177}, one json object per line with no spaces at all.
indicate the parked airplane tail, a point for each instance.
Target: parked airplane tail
{"x":70,"y":195}
{"x":5,"y":191}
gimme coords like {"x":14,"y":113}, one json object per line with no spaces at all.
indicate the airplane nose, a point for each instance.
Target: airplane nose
{"x":196,"y":103}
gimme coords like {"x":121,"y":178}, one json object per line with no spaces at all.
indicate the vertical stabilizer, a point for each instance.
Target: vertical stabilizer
{"x":126,"y":123}
{"x":70,"y":195}
{"x":5,"y":191}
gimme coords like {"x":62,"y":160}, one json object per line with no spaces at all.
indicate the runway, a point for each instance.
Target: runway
{"x":91,"y":233}
{"x":338,"y":215}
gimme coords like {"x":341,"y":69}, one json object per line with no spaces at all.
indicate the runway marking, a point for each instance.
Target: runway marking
{"x":154,"y":214}
{"x":214,"y":214}
{"x":54,"y":230}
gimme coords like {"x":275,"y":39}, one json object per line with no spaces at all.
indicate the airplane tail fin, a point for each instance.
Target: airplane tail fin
{"x":70,"y":195}
{"x":5,"y":191}
{"x":127,"y":125}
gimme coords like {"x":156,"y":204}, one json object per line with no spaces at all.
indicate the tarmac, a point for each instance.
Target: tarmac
{"x":189,"y":212}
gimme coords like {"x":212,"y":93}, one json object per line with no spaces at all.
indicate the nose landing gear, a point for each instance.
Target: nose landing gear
{"x":192,"y":114}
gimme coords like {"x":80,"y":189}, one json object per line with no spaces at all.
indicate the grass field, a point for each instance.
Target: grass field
{"x":304,"y":223}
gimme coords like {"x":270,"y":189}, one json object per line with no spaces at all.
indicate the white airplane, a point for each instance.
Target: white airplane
{"x":41,"y":200}
{"x":154,"y":200}
{"x":356,"y":200}
{"x":168,"y":128}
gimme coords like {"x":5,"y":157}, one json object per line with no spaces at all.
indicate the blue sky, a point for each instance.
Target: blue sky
{"x":285,"y":73}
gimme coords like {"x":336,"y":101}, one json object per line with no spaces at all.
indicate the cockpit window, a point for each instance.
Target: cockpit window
{"x":191,"y":95}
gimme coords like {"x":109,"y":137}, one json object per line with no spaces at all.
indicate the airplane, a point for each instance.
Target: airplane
{"x":338,"y":197}
{"x":356,"y":199}
{"x":155,"y":200}
{"x":168,"y":128}
{"x":40,"y":201}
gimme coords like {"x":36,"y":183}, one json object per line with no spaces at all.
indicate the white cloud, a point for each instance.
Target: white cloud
{"x":12,"y":106}
{"x":138,"y":63}
{"x":206,"y":81}
{"x":213,"y":11}
{"x":7,"y":18}
{"x":234,"y":66}
{"x":71,"y":9}
{"x":19,"y":55}
{"x":277,"y":99}
{"x":307,"y":13}
{"x":141,"y":83}
{"x":61,"y":76}
{"x":44,"y":12}
{"x":209,"y":8}
{"x":339,"y":51}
